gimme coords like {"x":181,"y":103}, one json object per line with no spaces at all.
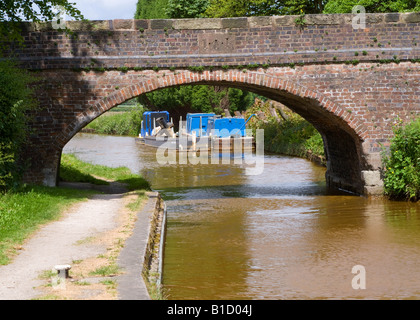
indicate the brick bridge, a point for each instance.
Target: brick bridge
{"x":351,"y":84}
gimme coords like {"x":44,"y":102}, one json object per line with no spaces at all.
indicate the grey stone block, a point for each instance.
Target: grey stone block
{"x":161,"y":24}
{"x":373,"y":191}
{"x":204,"y":24}
{"x":235,"y":23}
{"x":392,"y":17}
{"x":284,"y":20}
{"x":321,"y":19}
{"x":123,"y":24}
{"x":412,"y":17}
{"x":88,"y":25}
{"x":372,"y":178}
{"x":374,"y":18}
{"x":141,"y":24}
{"x":256,"y":22}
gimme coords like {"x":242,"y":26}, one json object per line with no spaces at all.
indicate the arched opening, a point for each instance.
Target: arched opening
{"x":341,"y":131}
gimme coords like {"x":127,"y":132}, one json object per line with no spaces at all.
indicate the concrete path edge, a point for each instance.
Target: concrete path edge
{"x":131,"y":284}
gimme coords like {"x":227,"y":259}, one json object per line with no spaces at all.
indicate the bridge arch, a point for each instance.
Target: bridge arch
{"x":343,"y":133}
{"x":314,"y":71}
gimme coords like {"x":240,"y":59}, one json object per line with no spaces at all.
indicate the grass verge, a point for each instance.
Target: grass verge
{"x":75,"y":170}
{"x":125,"y":123}
{"x":22,"y":211}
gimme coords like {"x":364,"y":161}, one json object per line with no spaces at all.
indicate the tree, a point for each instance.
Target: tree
{"x":151,"y":9}
{"x":228,"y":8}
{"x":372,"y":6}
{"x":186,"y":8}
{"x":200,"y":98}
{"x":307,"y":6}
{"x":238,"y":8}
{"x":15,"y":100}
{"x":13,"y":12}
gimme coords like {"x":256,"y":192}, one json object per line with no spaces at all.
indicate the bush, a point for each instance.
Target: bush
{"x":294,"y":136}
{"x":15,"y":100}
{"x":401,"y":163}
{"x":291,"y":135}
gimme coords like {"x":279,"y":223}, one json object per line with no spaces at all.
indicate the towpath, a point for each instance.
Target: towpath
{"x":89,"y":237}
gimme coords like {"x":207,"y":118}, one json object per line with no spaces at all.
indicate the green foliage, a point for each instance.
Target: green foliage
{"x":228,"y":8}
{"x":372,"y":6}
{"x":294,"y":136}
{"x":300,"y":22}
{"x":241,"y":8}
{"x":151,"y":9}
{"x":15,"y":100}
{"x":239,"y":100}
{"x":124,"y":123}
{"x":177,"y":9}
{"x":315,"y":144}
{"x":183,"y":99}
{"x":402,"y":163}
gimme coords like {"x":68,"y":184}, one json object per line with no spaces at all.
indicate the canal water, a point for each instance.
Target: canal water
{"x":277,"y":235}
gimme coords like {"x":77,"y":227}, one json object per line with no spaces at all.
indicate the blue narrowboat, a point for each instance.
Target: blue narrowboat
{"x":199,"y":130}
{"x":149,"y":121}
{"x":156,"y":129}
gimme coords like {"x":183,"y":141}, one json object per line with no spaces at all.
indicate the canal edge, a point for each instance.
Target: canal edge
{"x":141,"y":259}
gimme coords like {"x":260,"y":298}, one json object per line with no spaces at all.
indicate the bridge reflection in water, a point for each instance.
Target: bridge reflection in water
{"x":278,"y":235}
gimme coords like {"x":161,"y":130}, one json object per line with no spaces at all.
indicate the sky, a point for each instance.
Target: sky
{"x":106,"y":9}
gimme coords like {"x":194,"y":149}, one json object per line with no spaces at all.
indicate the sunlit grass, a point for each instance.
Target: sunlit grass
{"x":22,"y":211}
{"x":75,"y":170}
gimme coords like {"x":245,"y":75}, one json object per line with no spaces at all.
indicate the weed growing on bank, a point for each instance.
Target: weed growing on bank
{"x":401,"y":163}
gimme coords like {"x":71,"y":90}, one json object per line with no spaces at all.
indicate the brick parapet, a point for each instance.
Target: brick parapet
{"x":225,"y":23}
{"x":183,"y":43}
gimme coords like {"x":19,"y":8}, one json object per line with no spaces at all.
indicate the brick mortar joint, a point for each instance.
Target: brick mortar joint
{"x":224,"y":23}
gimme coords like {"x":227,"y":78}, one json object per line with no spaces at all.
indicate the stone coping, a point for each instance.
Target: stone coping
{"x":223,"y":23}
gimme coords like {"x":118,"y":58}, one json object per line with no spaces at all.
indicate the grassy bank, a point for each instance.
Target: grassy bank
{"x":126,"y":122}
{"x":293,"y":136}
{"x":74,"y":170}
{"x":23,"y":210}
